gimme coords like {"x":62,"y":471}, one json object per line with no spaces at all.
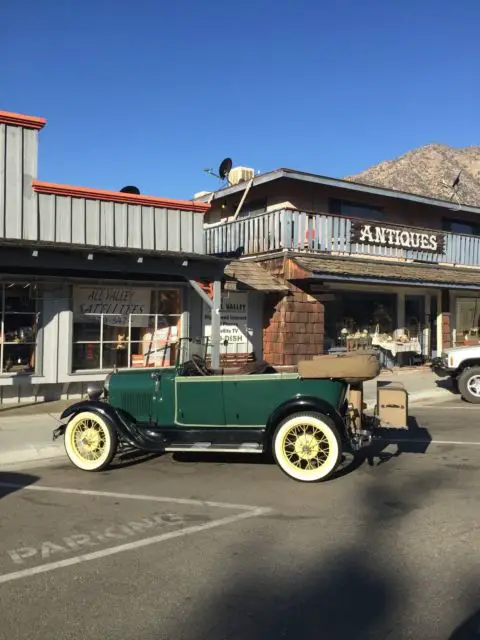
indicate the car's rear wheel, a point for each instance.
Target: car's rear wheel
{"x":307,"y":446}
{"x":469,"y":385}
{"x":90,"y":442}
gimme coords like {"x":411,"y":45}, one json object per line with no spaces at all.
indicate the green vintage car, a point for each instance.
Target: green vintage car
{"x":302,"y":416}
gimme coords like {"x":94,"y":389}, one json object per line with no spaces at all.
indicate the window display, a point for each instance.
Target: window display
{"x":19,"y":326}
{"x":124,"y":327}
{"x":468,"y":318}
{"x":352,"y":318}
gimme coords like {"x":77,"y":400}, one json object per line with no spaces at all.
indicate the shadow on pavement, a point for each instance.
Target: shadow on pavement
{"x":354,"y":591}
{"x":448,"y":384}
{"x":11,"y":482}
{"x":469,"y":630}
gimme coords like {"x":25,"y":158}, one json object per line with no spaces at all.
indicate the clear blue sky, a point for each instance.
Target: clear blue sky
{"x":150,"y":92}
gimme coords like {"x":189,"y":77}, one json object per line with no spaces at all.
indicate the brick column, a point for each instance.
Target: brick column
{"x":445,"y":320}
{"x":293,"y":325}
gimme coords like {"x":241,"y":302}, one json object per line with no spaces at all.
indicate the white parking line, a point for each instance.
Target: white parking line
{"x":130,"y":496}
{"x":247,"y":512}
{"x":412,"y":441}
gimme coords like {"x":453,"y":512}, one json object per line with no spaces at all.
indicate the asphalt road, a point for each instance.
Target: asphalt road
{"x":210,"y":549}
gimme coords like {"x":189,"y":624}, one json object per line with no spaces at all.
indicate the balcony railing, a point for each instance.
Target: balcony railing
{"x":289,"y":230}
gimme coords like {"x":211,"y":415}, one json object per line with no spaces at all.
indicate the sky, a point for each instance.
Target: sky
{"x":151,"y":93}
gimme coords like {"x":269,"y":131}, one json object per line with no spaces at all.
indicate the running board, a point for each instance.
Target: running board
{"x":203,"y":447}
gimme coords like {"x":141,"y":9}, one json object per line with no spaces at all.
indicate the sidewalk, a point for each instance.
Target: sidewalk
{"x":26,"y":431}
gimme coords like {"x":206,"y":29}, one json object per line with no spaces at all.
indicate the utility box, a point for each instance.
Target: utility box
{"x":392,"y":405}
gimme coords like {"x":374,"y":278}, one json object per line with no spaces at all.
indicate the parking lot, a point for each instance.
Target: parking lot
{"x":230,"y":548}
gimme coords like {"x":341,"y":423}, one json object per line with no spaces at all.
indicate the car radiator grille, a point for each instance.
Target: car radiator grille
{"x":137,"y":404}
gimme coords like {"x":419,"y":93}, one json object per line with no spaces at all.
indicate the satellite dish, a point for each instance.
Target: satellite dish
{"x":130,"y":189}
{"x":225,"y":168}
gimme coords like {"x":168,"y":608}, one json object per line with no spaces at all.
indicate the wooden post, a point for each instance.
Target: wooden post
{"x":217,"y":303}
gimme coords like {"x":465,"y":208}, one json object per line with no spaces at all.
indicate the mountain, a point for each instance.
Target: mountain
{"x":422,"y":170}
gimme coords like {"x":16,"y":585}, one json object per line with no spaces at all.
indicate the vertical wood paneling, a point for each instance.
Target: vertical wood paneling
{"x":46,"y":214}
{"x":63,"y":219}
{"x":92,"y":218}
{"x":30,"y":161}
{"x":134,"y":239}
{"x":107,"y":224}
{"x":161,"y":229}
{"x":3,"y":142}
{"x":14,"y":182}
{"x":78,"y":220}
{"x":148,"y":229}
{"x":173,"y":230}
{"x":120,"y":220}
{"x":186,"y":230}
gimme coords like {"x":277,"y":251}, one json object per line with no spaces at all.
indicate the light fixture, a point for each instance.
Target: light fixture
{"x":35,"y":254}
{"x":90,"y":256}
{"x":140,"y":260}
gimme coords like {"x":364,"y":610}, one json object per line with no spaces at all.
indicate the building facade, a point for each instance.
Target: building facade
{"x":90,"y":279}
{"x":364,"y":266}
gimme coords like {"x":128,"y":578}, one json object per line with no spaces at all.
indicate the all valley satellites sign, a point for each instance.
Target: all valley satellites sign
{"x":397,"y":237}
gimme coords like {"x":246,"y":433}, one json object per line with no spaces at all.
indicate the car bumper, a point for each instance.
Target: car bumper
{"x":441,"y":369}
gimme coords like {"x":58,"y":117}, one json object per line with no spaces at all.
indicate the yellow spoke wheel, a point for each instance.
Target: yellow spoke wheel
{"x":307,"y":446}
{"x":90,"y":442}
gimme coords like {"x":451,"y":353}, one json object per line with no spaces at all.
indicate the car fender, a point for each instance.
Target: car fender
{"x":305,"y":403}
{"x":108,"y":413}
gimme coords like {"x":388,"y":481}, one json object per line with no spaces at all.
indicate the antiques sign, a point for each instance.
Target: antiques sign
{"x":116,"y":303}
{"x":397,"y":237}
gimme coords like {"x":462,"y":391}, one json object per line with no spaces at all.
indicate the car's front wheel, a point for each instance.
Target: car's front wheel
{"x":90,"y":442}
{"x":469,"y":385}
{"x":307,"y":446}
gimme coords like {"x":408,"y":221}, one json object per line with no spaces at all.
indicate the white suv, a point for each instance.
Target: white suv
{"x":462,"y":364}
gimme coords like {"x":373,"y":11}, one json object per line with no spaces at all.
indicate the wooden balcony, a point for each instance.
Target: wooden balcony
{"x":291,"y":230}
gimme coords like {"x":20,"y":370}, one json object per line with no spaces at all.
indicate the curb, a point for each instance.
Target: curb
{"x":33,"y":454}
{"x":413,"y":398}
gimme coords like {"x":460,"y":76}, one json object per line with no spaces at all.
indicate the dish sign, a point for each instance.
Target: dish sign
{"x":233,"y":319}
{"x":398,"y":237}
{"x":116,"y":303}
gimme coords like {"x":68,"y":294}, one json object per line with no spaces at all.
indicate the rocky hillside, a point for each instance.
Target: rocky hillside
{"x":422,"y":171}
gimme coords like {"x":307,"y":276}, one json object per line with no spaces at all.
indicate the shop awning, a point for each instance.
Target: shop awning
{"x":241,"y":275}
{"x":385,"y":272}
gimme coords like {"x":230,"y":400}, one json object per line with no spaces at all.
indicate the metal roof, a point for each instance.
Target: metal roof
{"x":356,"y":187}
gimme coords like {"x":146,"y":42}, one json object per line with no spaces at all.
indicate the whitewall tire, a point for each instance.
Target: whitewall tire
{"x":90,"y":442}
{"x":307,"y":447}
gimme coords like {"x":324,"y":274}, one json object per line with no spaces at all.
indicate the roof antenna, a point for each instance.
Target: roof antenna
{"x":454,"y":190}
{"x":223,"y":170}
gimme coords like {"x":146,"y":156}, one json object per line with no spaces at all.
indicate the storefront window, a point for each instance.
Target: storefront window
{"x":19,"y":326}
{"x":359,"y":314}
{"x":468,"y":317}
{"x":124,"y":327}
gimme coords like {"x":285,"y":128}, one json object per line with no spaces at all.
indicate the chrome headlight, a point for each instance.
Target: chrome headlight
{"x":94,"y":391}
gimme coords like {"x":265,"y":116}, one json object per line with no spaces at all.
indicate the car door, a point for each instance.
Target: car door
{"x":249,"y":399}
{"x":199,"y":401}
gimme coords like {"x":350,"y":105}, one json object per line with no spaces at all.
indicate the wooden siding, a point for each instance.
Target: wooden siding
{"x":81,"y":221}
{"x":299,"y":231}
{"x":27,"y":215}
{"x":18,"y":167}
